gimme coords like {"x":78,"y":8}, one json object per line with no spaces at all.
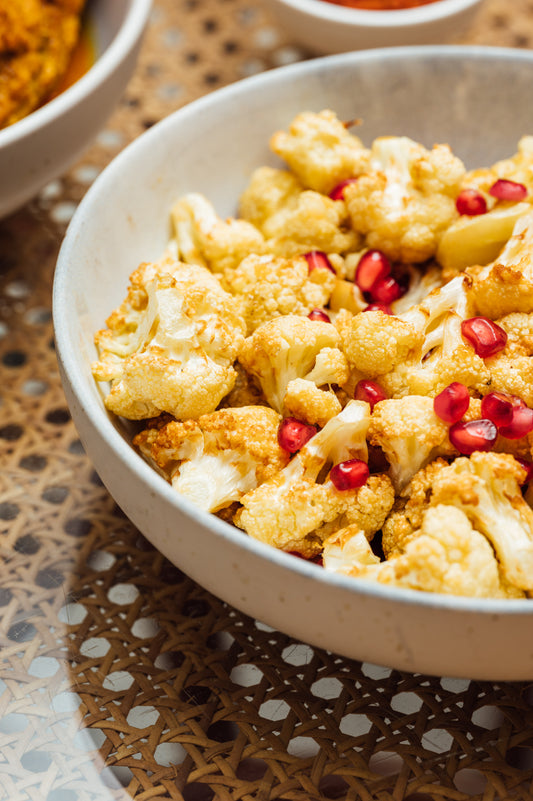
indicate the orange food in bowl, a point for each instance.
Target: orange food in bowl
{"x":37,"y":39}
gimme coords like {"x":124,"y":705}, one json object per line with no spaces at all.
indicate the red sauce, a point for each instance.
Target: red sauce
{"x":381,"y":5}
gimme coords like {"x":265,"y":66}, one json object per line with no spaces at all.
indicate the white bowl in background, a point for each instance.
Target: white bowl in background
{"x":326,"y":28}
{"x":480,"y":101}
{"x":46,"y":142}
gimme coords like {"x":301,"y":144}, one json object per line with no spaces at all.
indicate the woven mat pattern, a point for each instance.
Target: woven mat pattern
{"x":120,"y":678}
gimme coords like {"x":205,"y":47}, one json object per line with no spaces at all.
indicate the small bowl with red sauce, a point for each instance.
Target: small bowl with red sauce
{"x":42,"y":145}
{"x":336,"y":26}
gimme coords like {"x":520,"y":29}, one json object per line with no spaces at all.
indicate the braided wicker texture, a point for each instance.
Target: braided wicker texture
{"x":119,"y":677}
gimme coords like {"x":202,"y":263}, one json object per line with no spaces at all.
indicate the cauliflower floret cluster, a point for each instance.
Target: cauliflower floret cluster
{"x":344,"y":369}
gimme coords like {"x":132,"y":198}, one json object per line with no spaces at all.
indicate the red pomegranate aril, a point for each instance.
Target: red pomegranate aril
{"x":369,"y":391}
{"x":521,"y":423}
{"x":386,"y":290}
{"x":350,"y":474}
{"x":498,"y":407}
{"x":471,"y":203}
{"x":337,"y":193}
{"x":528,"y":467}
{"x":473,"y":435}
{"x":485,"y":336}
{"x":293,"y":434}
{"x":372,"y":266}
{"x":383,"y":307}
{"x":451,"y":404}
{"x":503,"y":189}
{"x":318,"y":260}
{"x":318,"y":314}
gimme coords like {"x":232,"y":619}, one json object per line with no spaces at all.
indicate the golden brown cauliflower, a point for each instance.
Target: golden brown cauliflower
{"x":511,"y":370}
{"x":292,"y":347}
{"x":506,"y":285}
{"x":202,"y":237}
{"x":215,"y":460}
{"x":320,"y":151}
{"x":410,"y":435}
{"x":406,"y":199}
{"x":445,"y":555}
{"x":176,"y":330}
{"x":296,"y":510}
{"x":294,"y":220}
{"x":272,"y":287}
{"x":486,"y":487}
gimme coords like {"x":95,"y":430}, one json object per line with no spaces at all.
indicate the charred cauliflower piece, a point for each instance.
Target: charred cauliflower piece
{"x":410,"y":435}
{"x":202,"y":237}
{"x":291,"y":347}
{"x":405,"y":201}
{"x":272,"y":287}
{"x":294,"y":220}
{"x":420,"y":351}
{"x":299,"y":507}
{"x":506,"y":285}
{"x":320,"y":151}
{"x":445,"y":555}
{"x":177,"y":329}
{"x":215,"y":460}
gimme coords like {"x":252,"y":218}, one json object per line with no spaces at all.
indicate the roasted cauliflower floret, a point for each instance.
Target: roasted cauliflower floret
{"x":446,"y":555}
{"x":290,"y":347}
{"x":444,"y":355}
{"x":215,"y":460}
{"x":506,"y":285}
{"x":486,"y":487}
{"x":202,"y":237}
{"x":297,"y":508}
{"x":272,"y":287}
{"x":177,"y":329}
{"x":375,"y":342}
{"x":320,"y":151}
{"x":305,"y":401}
{"x":410,"y":435}
{"x":518,"y":167}
{"x":406,"y":200}
{"x":293,"y":220}
{"x":511,"y":370}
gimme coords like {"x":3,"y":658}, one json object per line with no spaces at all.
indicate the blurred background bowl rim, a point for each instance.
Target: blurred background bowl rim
{"x":104,"y":66}
{"x":133,"y":461}
{"x":366,"y":18}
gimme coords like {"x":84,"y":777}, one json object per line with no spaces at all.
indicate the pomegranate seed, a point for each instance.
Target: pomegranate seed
{"x":386,"y":290}
{"x":349,"y":475}
{"x":528,"y":467}
{"x":378,"y":307}
{"x":520,"y":425}
{"x":473,"y":435}
{"x":317,"y":260}
{"x":293,"y":434}
{"x":337,"y":193}
{"x":471,"y":202}
{"x":498,"y":407}
{"x":508,"y":190}
{"x":318,"y":314}
{"x":369,"y":391}
{"x":372,"y":266}
{"x":486,"y":337}
{"x":451,"y":404}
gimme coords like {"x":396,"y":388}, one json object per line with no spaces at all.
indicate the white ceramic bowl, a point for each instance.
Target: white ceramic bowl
{"x":479,"y":100}
{"x":46,"y":142}
{"x":324,"y":27}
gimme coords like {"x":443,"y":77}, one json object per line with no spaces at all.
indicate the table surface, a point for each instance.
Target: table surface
{"x":120,"y":677}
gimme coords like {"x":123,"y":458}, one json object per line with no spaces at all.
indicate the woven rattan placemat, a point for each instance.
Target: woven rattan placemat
{"x":119,"y":677}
